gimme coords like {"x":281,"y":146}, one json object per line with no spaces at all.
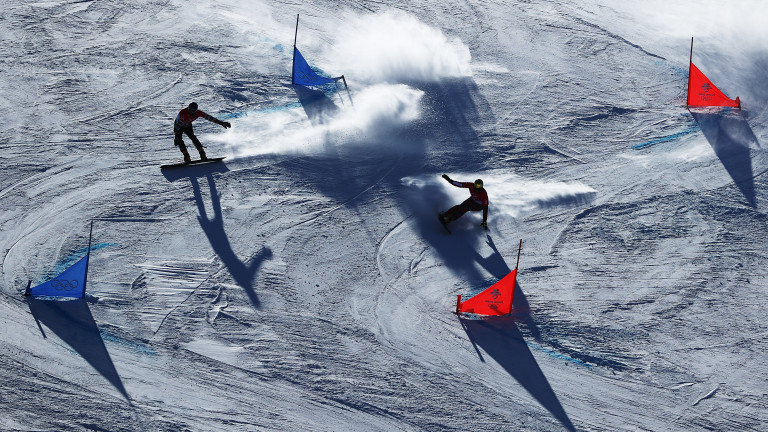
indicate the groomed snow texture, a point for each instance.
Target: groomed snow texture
{"x":304,"y":283}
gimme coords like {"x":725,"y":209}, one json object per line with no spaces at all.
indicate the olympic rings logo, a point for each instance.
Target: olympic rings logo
{"x":63,"y":284}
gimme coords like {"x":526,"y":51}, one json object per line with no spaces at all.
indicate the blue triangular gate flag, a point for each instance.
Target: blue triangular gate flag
{"x":303,"y":73}
{"x":69,"y":283}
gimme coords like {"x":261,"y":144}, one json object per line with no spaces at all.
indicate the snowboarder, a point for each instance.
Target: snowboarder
{"x":183,"y":125}
{"x":477,"y":201}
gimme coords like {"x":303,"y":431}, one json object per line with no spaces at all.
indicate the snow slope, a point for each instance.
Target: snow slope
{"x":305,"y":284}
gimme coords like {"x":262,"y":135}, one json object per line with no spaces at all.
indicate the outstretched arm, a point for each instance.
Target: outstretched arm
{"x":455,"y":183}
{"x":211,"y":118}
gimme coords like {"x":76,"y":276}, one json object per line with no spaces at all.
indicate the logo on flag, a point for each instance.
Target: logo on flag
{"x":63,"y":284}
{"x":708,"y":94}
{"x":69,"y":283}
{"x":495,"y":300}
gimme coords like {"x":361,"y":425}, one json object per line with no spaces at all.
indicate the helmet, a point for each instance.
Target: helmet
{"x":478,"y":184}
{"x":193,"y":106}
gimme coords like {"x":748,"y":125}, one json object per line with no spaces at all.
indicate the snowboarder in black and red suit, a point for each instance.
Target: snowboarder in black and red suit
{"x":183,"y":125}
{"x":477,"y":201}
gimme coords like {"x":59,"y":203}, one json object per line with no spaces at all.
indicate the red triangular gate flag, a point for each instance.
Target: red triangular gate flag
{"x":701,"y":91}
{"x":496,"y":300}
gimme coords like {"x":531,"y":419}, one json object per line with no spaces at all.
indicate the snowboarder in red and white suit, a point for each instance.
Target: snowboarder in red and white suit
{"x":477,"y":201}
{"x":183,"y":125}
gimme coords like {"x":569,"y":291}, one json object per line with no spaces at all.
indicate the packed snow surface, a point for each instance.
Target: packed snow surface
{"x":305,"y":283}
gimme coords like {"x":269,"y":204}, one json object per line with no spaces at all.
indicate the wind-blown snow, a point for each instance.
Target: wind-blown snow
{"x":378,"y":110}
{"x":395,"y":47}
{"x":513,"y":196}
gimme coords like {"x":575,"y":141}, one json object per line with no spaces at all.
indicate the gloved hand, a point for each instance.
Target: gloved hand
{"x":484,"y":224}
{"x":226,"y":125}
{"x":445,"y":176}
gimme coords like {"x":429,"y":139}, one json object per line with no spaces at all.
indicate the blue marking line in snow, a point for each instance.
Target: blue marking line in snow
{"x":73,"y":258}
{"x":137,"y":346}
{"x":261,"y":111}
{"x":672,"y":137}
{"x":554,"y":354}
{"x":558,"y":355}
{"x":276,"y":45}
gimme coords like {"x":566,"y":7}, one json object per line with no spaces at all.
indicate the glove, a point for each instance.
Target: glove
{"x":226,"y":125}
{"x":445,"y":176}
{"x":484,"y":224}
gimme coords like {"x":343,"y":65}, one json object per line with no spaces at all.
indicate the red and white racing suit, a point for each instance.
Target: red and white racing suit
{"x":183,"y":125}
{"x":478,"y":200}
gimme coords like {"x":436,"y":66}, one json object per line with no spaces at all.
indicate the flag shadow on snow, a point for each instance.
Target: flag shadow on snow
{"x":730,"y":136}
{"x":501,"y":339}
{"x":453,"y":106}
{"x":317,"y":105}
{"x":243,"y":272}
{"x":73,"y":323}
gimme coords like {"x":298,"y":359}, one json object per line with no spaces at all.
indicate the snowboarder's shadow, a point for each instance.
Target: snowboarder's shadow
{"x":73,"y":323}
{"x":730,"y":136}
{"x":459,"y":250}
{"x":243,"y":272}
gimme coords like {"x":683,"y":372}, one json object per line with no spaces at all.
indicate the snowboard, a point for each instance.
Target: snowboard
{"x":197,"y":162}
{"x":440,"y":218}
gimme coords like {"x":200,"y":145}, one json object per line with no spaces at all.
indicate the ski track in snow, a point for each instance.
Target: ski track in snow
{"x":305,"y":284}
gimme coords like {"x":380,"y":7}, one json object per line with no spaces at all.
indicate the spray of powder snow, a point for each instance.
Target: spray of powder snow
{"x":509,"y":194}
{"x":396,"y":47}
{"x":378,"y":111}
{"x":378,"y":53}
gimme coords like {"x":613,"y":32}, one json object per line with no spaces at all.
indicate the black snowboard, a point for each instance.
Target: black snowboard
{"x":197,"y":162}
